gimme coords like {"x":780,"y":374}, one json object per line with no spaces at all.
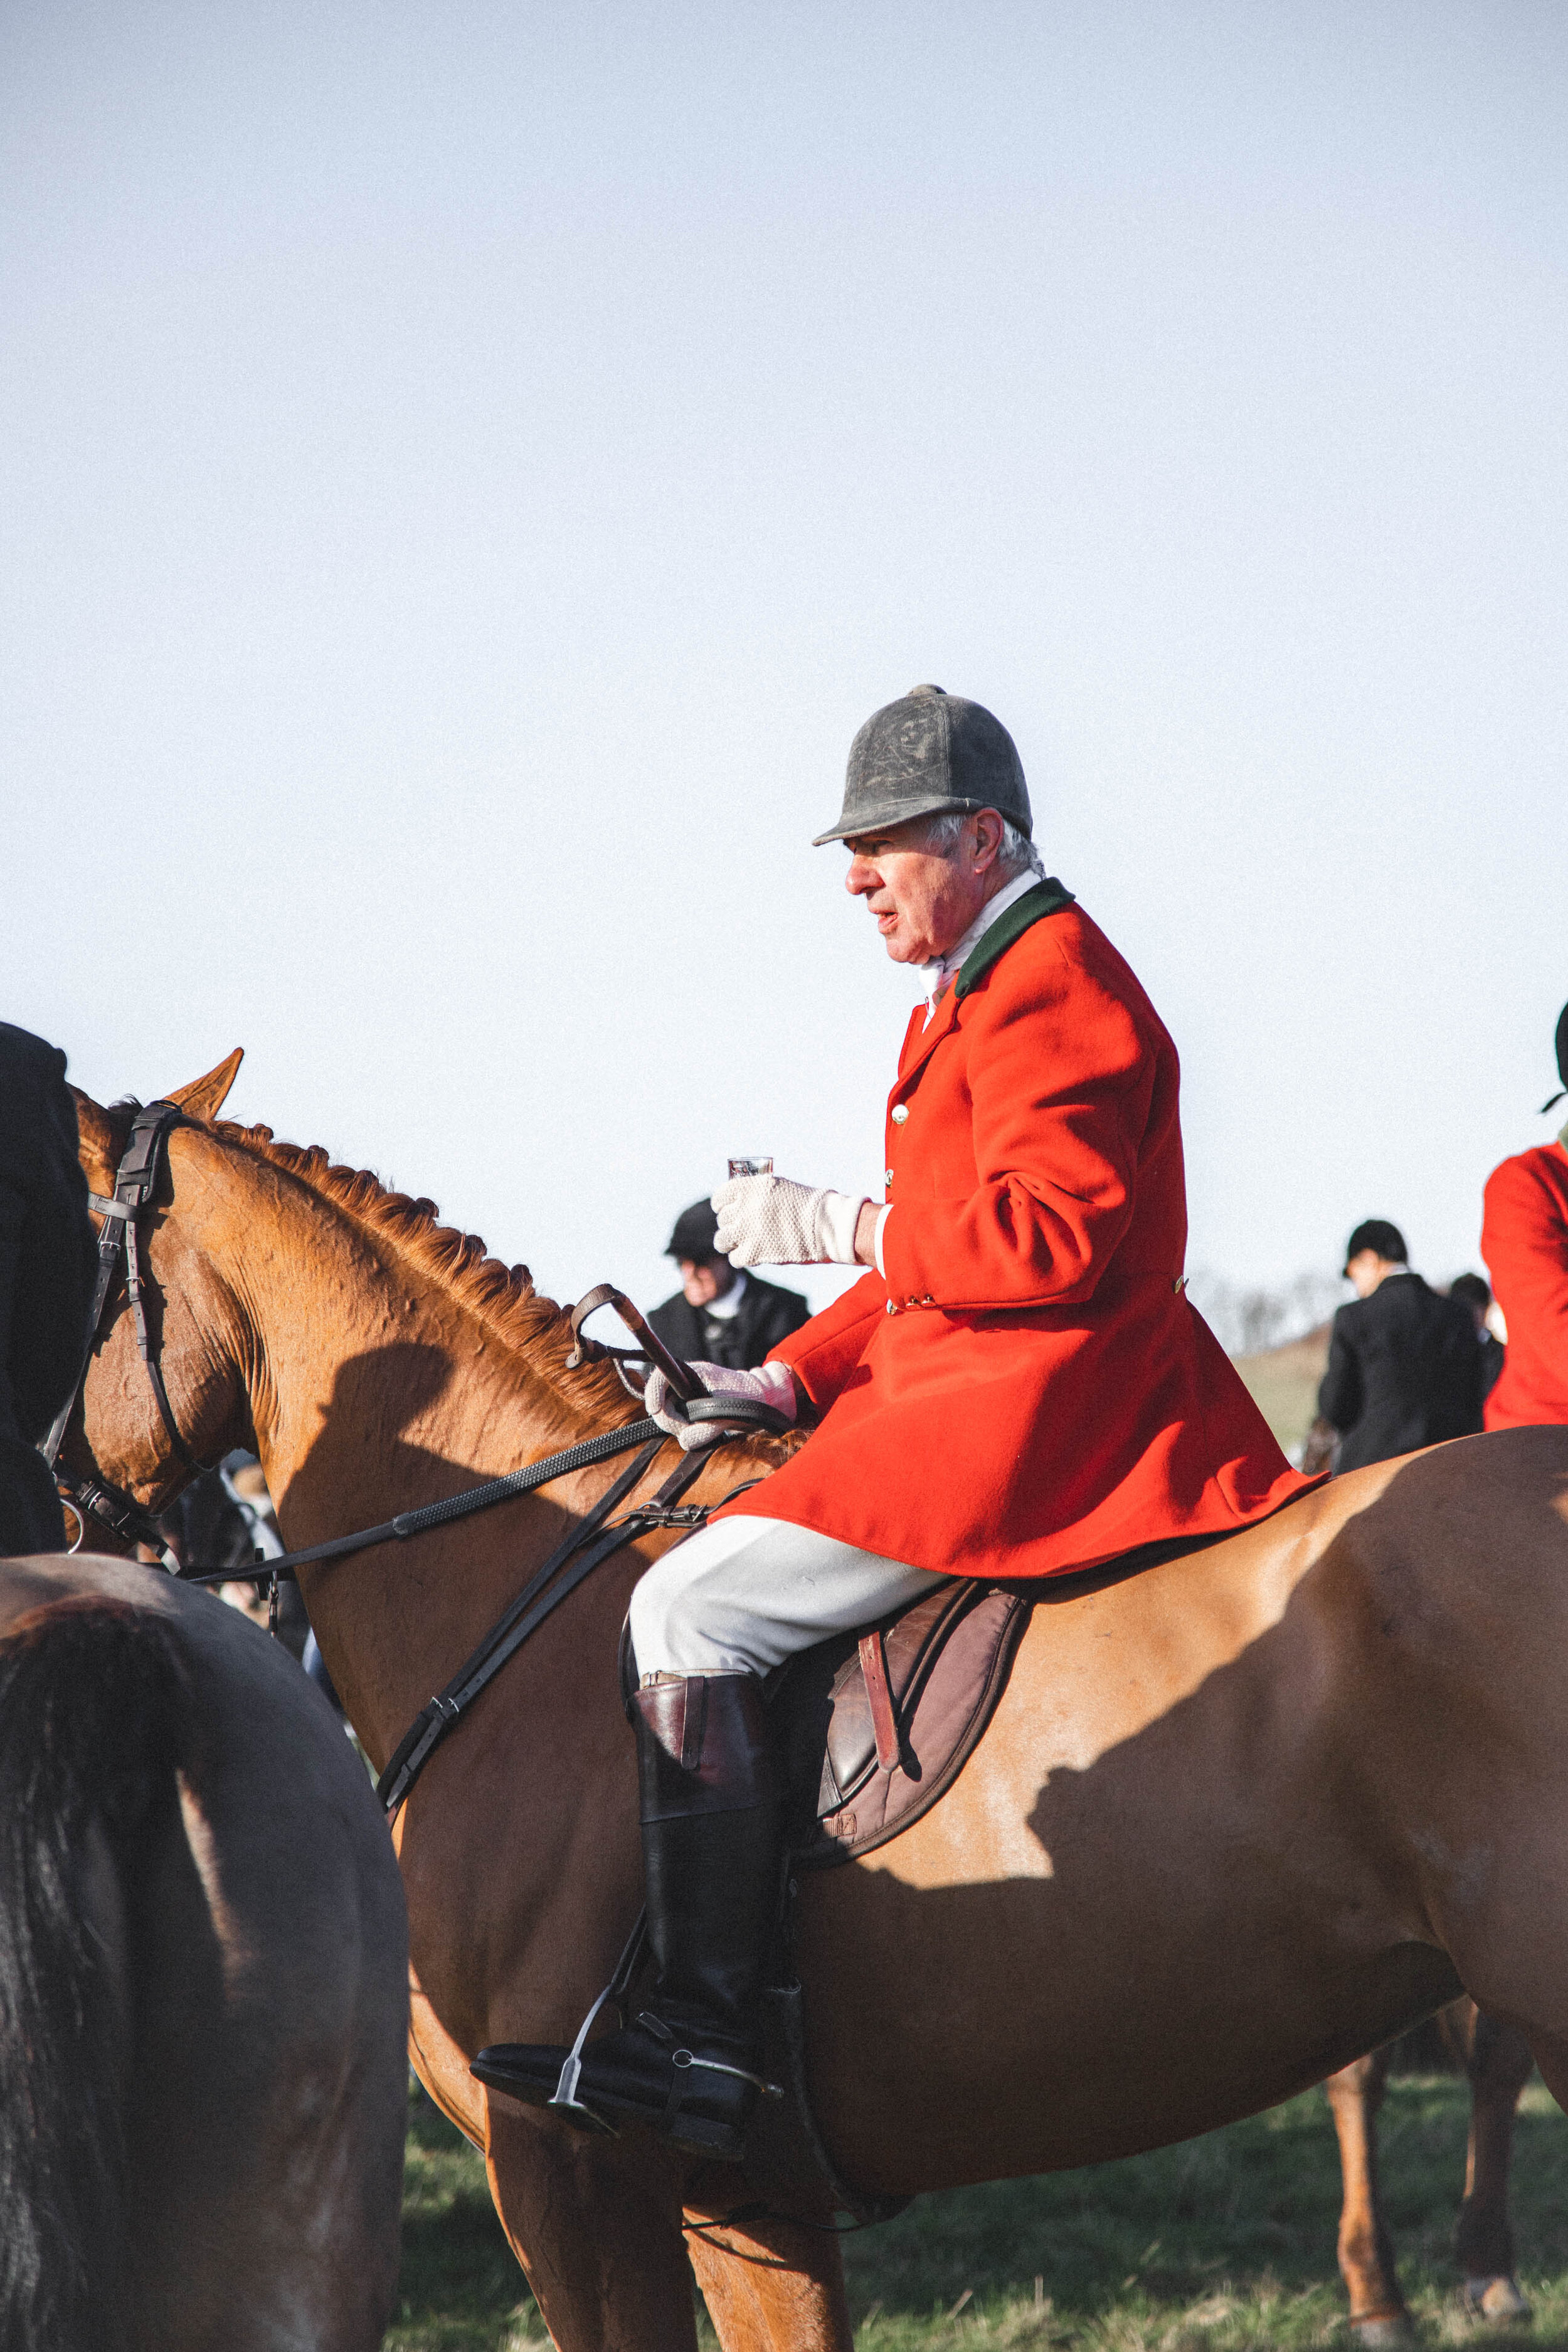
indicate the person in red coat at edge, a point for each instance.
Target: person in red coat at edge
{"x":1524,"y":1241}
{"x":1017,"y":1385}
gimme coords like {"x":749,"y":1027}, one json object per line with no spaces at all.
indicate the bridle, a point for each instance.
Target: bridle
{"x":135,"y":1180}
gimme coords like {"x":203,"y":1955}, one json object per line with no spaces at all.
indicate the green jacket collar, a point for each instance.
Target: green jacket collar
{"x":1047,"y":897}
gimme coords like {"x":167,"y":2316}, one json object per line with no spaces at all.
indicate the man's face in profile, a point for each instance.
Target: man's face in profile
{"x":923,"y":899}
{"x":704,"y":1279}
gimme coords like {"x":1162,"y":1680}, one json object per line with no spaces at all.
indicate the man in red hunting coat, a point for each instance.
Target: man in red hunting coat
{"x":1524,"y":1240}
{"x":1017,"y":1385}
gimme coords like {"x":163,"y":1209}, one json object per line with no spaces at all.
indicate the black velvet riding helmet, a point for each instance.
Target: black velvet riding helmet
{"x":1561,"y":1060}
{"x":696,"y":1234}
{"x":927,"y":754}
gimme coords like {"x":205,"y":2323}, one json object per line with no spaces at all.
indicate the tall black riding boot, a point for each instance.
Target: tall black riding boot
{"x":711,"y":1827}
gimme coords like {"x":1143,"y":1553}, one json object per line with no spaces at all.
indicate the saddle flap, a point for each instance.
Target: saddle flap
{"x":865,"y":1758}
{"x":910,"y":1644}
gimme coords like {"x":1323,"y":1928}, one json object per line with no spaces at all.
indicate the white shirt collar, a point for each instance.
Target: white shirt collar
{"x":935,"y":976}
{"x":721,"y":1310}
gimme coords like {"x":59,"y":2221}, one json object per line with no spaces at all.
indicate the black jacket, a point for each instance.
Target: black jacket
{"x":766,"y":1316}
{"x":47,"y":1256}
{"x":1404,"y":1370}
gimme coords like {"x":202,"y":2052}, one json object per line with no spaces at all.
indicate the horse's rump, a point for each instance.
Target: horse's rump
{"x":94,"y":1717}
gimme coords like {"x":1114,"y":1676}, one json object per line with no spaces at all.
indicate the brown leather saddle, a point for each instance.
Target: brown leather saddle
{"x":873,"y":1728}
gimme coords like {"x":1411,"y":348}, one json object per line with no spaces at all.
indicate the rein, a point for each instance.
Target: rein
{"x":590,"y":1542}
{"x":461,"y":1505}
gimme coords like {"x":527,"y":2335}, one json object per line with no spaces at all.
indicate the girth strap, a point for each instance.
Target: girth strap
{"x":588,"y":1544}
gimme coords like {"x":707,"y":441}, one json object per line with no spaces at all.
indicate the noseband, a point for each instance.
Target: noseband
{"x":134,"y":1180}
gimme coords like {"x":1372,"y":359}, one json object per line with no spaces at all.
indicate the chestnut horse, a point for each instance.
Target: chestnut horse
{"x":203,"y":1998}
{"x":1237,"y":1819}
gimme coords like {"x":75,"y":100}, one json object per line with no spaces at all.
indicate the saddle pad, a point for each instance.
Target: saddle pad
{"x":947,"y":1659}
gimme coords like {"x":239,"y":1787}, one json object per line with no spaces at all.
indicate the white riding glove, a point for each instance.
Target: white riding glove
{"x":770,"y":1383}
{"x":768,"y":1221}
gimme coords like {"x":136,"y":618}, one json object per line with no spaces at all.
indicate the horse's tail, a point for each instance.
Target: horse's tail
{"x":94,"y":1717}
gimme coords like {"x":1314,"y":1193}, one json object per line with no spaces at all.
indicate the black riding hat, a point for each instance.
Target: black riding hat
{"x":926,"y":754}
{"x":1561,"y":1060}
{"x":1377,"y":1234}
{"x":696,"y":1232}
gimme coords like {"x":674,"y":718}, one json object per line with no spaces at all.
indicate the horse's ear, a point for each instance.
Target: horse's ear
{"x":204,"y":1097}
{"x":92,"y":1126}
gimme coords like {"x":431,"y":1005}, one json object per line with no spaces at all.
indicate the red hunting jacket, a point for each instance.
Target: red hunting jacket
{"x":1524,"y":1241}
{"x":1028,"y":1390}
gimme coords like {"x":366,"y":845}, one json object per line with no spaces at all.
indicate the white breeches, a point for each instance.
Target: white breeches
{"x":744,"y":1594}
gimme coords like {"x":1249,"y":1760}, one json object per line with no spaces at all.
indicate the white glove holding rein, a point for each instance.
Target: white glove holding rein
{"x":770,"y":1383}
{"x":769,"y":1221}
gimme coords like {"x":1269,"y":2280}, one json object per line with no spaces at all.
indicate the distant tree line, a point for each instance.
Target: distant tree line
{"x":1245,"y":1319}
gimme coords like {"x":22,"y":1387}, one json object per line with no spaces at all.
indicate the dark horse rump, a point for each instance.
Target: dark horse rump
{"x":203,"y":1984}
{"x":94,"y":1721}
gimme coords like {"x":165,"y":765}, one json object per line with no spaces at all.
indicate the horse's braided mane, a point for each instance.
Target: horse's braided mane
{"x":523,"y":1318}
{"x":504,"y":1297}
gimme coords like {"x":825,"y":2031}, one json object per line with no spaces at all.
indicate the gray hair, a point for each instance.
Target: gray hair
{"x":1017,"y":853}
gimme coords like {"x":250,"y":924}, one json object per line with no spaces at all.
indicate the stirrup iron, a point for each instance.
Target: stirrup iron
{"x":564,"y":2099}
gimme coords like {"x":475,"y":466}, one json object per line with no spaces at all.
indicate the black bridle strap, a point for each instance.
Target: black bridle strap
{"x":135,"y":1181}
{"x":440,"y":1515}
{"x":588,"y":1544}
{"x":144,"y":1350}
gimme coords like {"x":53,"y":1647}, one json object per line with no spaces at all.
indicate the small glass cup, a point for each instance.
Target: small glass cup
{"x":758,"y":1164}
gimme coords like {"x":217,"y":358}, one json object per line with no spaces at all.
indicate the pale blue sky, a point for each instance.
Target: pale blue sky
{"x":466,"y":470}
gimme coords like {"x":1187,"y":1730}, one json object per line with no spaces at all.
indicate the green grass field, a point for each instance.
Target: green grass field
{"x":1224,"y":2243}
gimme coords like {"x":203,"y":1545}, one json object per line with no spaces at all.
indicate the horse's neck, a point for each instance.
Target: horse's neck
{"x":373,"y":1390}
{"x":368,"y":1380}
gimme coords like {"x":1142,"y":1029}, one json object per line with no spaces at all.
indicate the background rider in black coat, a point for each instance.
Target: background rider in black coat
{"x":47,"y":1258}
{"x":1405,"y":1368}
{"x":1476,"y":1292}
{"x":720,"y":1315}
